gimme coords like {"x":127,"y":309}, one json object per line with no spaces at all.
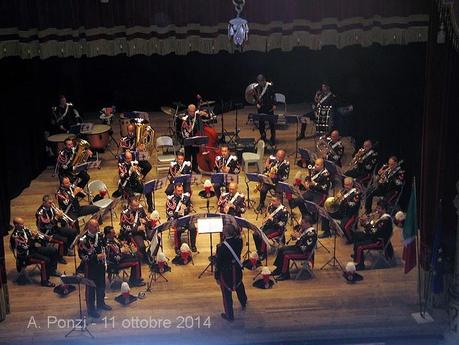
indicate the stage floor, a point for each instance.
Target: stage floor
{"x":186,"y":310}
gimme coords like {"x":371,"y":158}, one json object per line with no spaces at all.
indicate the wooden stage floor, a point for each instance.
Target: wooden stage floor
{"x":321,"y":310}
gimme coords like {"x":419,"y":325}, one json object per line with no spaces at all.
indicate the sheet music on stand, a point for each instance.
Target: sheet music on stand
{"x":210,"y":225}
{"x":251,"y":177}
{"x":223,"y":178}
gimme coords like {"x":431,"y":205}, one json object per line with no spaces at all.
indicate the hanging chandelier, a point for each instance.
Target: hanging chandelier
{"x":238,"y":28}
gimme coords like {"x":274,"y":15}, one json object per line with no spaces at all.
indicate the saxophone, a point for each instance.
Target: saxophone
{"x":81,"y":154}
{"x":271,"y":173}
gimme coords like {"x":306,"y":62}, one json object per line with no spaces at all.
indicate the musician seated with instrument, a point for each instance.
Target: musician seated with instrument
{"x":306,"y":238}
{"x":273,"y":226}
{"x":51,"y":221}
{"x":179,"y":205}
{"x":65,"y":116}
{"x":191,"y":127}
{"x":389,"y":182}
{"x":266,"y":104}
{"x":377,"y":233}
{"x":277,"y":168}
{"x":225,"y":163}
{"x":315,"y":187}
{"x":120,"y":255}
{"x":334,"y":148}
{"x":177,"y":168}
{"x":67,"y":197}
{"x":131,"y":143}
{"x":364,"y":162}
{"x":70,"y":157}
{"x":32,"y":248}
{"x":134,"y":223}
{"x":232,"y":202}
{"x":91,"y":249}
{"x":344,"y":207}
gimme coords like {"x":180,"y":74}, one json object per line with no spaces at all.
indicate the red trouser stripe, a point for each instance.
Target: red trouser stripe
{"x":359,"y":250}
{"x":270,"y":236}
{"x":288,"y":257}
{"x":133,"y":265}
{"x":42,"y":264}
{"x":347,"y":227}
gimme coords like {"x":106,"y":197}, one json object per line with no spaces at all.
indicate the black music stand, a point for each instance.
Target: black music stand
{"x":155,"y":275}
{"x":150,"y":187}
{"x":250,"y":177}
{"x":210,"y":225}
{"x":182,"y":222}
{"x":283,"y":187}
{"x":195,"y":141}
{"x":223,"y":179}
{"x":81,"y":324}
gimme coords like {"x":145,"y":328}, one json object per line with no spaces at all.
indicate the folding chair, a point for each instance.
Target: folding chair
{"x":113,"y":274}
{"x":307,"y":266}
{"x":23,"y":274}
{"x":380,"y":254}
{"x":163,"y":155}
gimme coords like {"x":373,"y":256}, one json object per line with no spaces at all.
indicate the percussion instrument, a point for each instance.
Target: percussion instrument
{"x":125,"y":120}
{"x":250,"y":95}
{"x":58,"y":141}
{"x":207,"y":103}
{"x":323,"y":119}
{"x":99,"y":136}
{"x":168,"y":110}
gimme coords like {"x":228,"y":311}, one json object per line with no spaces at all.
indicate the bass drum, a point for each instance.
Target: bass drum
{"x":207,"y":154}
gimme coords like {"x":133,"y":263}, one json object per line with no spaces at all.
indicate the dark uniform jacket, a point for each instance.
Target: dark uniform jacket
{"x":227,"y":269}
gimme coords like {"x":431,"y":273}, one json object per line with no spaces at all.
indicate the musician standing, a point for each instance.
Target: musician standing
{"x":389,"y":182}
{"x":363,"y":163}
{"x":228,"y":270}
{"x":177,"y":168}
{"x":29,"y":250}
{"x":129,"y":143}
{"x":349,"y":204}
{"x":232,"y":202}
{"x":265,"y":102}
{"x":65,"y":116}
{"x":179,"y":205}
{"x":303,"y":249}
{"x":91,"y":249}
{"x":277,"y":168}
{"x":273,"y":227}
{"x":226,"y":163}
{"x":65,"y":166}
{"x":134,"y":222}
{"x":191,"y":126}
{"x":377,"y":233}
{"x":335,"y":148}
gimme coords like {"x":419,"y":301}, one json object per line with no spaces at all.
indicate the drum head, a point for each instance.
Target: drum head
{"x":59,"y":138}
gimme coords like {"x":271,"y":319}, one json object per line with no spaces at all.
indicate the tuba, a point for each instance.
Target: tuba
{"x":333,"y":203}
{"x":143,"y":135}
{"x":81,"y":154}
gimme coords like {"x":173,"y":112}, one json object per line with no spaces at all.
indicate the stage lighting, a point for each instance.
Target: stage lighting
{"x":238,"y":28}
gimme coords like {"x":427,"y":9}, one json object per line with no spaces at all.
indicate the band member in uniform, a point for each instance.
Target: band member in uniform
{"x":65,"y":167}
{"x":191,"y":126}
{"x":65,"y":115}
{"x":377,"y":232}
{"x":128,"y":143}
{"x":67,"y":198}
{"x":348,"y":199}
{"x":121,"y":255}
{"x":306,"y":239}
{"x":335,"y":149}
{"x":228,"y":270}
{"x":52,"y":222}
{"x":179,"y":205}
{"x":134,"y":222}
{"x":389,"y":182}
{"x":273,"y":226}
{"x":91,"y":250}
{"x":323,"y":97}
{"x":30,"y":249}
{"x":177,"y":168}
{"x":316,"y":187}
{"x":232,"y":202}
{"x":264,"y":96}
{"x":363,"y":163}
{"x":225,"y":163}
{"x":278,"y":169}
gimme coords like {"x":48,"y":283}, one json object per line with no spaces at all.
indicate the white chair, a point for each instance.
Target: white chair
{"x":254,"y":158}
{"x":163,"y":156}
{"x":104,"y":204}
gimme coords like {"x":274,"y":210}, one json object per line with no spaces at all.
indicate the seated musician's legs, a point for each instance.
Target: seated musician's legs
{"x":193,"y":232}
{"x":149,"y":198}
{"x":258,"y":243}
{"x":261,"y":129}
{"x":49,"y":255}
{"x":217,"y":189}
{"x":69,"y":234}
{"x":178,"y":238}
{"x":133,"y":263}
{"x":42,"y":261}
{"x":347,"y":223}
{"x":140,"y":243}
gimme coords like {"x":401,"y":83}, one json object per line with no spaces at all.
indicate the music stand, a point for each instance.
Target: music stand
{"x":210,"y":226}
{"x":182,"y":179}
{"x":283,"y":187}
{"x":81,"y":324}
{"x":150,"y":187}
{"x":182,"y":222}
{"x":195,"y":141}
{"x":250,"y":177}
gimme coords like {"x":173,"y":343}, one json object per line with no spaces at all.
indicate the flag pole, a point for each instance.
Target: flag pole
{"x":418,"y":250}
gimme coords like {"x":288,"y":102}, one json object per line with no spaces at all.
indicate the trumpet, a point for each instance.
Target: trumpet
{"x":357,"y":158}
{"x":61,"y":214}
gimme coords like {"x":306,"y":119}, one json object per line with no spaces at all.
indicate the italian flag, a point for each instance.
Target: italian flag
{"x":410,"y":229}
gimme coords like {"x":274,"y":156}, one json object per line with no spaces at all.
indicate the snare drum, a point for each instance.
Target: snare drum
{"x":57,"y":141}
{"x":99,"y":136}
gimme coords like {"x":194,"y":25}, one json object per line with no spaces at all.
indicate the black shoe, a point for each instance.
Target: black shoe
{"x":94,"y":314}
{"x":194,"y":249}
{"x":283,"y":276}
{"x":104,"y":307}
{"x":62,"y":261}
{"x":223,"y":315}
{"x":150,"y":209}
{"x":360,"y":266}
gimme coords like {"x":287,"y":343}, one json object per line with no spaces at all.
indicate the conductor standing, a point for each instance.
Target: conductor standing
{"x":228,"y":270}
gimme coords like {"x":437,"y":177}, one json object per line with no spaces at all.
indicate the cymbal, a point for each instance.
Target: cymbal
{"x":168,"y":110}
{"x":207,"y":103}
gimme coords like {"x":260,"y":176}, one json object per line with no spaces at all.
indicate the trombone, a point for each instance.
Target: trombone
{"x":61,"y":214}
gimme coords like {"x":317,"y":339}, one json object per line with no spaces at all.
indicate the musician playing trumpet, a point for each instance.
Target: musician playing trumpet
{"x":29,"y":249}
{"x":277,"y":168}
{"x":51,"y":221}
{"x":232,"y":202}
{"x":177,"y":168}
{"x":226,"y":163}
{"x":363,"y":163}
{"x":179,"y":205}
{"x":65,"y":166}
{"x":273,"y":225}
{"x":389,"y":182}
